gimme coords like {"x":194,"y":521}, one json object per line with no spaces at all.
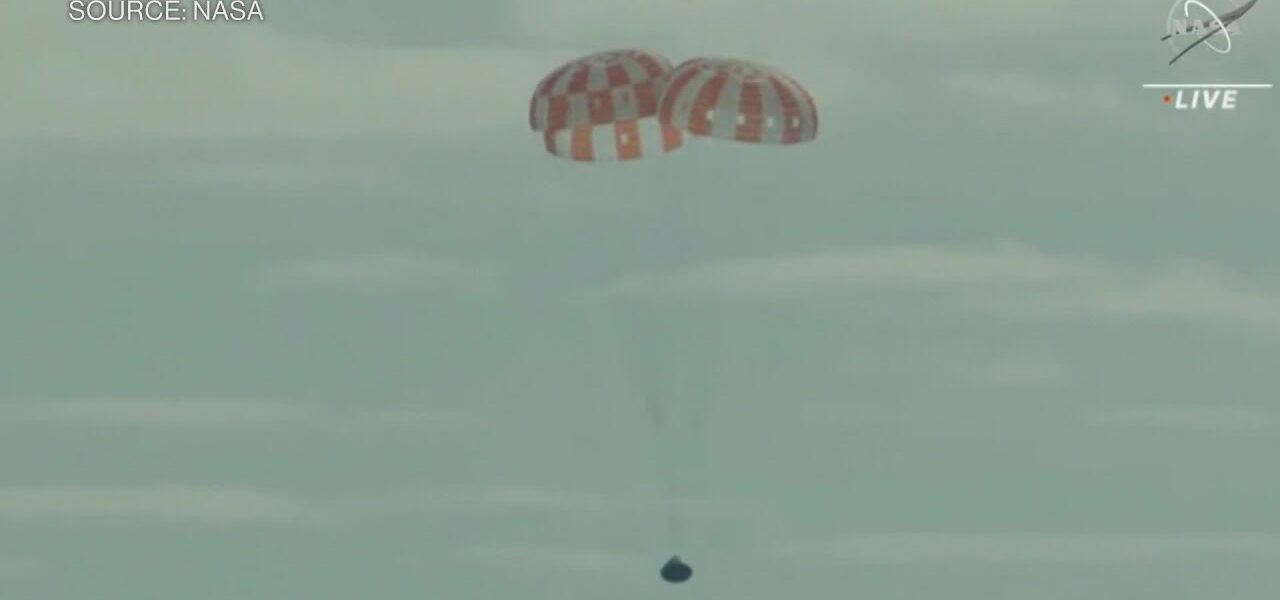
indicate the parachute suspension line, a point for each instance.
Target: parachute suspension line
{"x":641,"y":329}
{"x":660,"y":395}
{"x":652,"y":388}
{"x":675,"y":362}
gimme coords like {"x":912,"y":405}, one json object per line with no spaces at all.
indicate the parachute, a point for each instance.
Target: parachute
{"x":621,"y":140}
{"x":622,"y":105}
{"x":600,"y":88}
{"x":603,"y":107}
{"x":738,"y":100}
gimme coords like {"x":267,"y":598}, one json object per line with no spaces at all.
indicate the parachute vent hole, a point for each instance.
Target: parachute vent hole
{"x":795,"y":121}
{"x":625,"y":138}
{"x":711,"y":114}
{"x":742,"y":119}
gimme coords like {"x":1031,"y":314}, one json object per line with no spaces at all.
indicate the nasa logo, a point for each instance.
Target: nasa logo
{"x":1192,"y":23}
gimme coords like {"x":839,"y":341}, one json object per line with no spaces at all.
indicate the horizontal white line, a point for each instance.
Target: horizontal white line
{"x":1240,"y":86}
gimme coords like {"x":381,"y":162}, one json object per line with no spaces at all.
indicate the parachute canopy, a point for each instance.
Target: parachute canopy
{"x":738,"y":100}
{"x":626,"y":104}
{"x":599,"y":89}
{"x":622,"y":140}
{"x":604,"y":106}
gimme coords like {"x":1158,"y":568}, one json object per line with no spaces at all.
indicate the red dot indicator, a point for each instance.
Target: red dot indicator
{"x":1168,"y":99}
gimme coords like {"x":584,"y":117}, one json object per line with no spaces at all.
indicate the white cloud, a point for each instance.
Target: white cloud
{"x":1003,"y":89}
{"x":1028,"y":368}
{"x":516,"y":499}
{"x":1187,"y":418}
{"x":220,"y":412}
{"x":1034,"y":549}
{"x":163,"y":502}
{"x":175,"y":411}
{"x":371,"y":271}
{"x":19,"y":568}
{"x":420,"y":418}
{"x":101,"y":82}
{"x":523,"y":498}
{"x":577,"y":560}
{"x":290,"y":172}
{"x":922,"y":268}
{"x":1009,"y":280}
{"x":772,"y":28}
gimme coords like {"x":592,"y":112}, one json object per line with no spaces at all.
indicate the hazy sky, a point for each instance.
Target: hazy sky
{"x":302,"y":310}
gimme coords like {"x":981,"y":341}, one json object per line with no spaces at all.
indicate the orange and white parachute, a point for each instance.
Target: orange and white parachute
{"x":603,"y":107}
{"x":738,"y":100}
{"x":623,"y":140}
{"x":599,"y":88}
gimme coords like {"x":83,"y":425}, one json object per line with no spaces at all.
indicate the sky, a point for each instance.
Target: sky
{"x":301,"y":309}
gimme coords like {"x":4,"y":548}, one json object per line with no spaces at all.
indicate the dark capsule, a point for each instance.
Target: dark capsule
{"x":675,"y":571}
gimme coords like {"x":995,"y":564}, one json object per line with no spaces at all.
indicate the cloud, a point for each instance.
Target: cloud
{"x":19,"y":568}
{"x":161,"y":502}
{"x":394,"y":23}
{"x":291,"y":170}
{"x":419,"y":418}
{"x":370,"y":271}
{"x":1034,"y":549}
{"x":815,"y":26}
{"x":1029,"y":368}
{"x":923,"y":268}
{"x":97,"y":83}
{"x":1195,"y":419}
{"x":523,"y":498}
{"x":1008,"y":280}
{"x":223,"y":412}
{"x":532,"y":500}
{"x":1018,"y":89}
{"x":576,"y":560}
{"x":176,"y":411}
